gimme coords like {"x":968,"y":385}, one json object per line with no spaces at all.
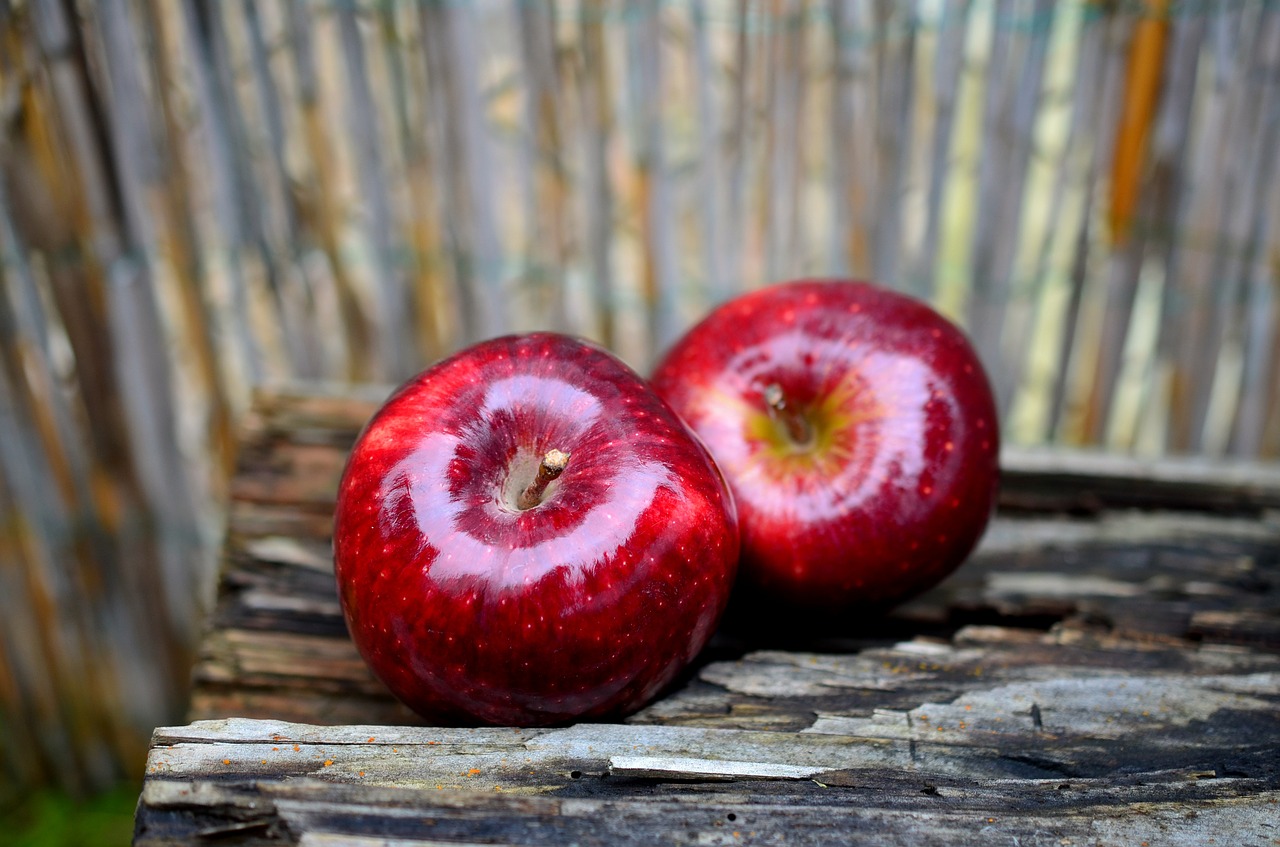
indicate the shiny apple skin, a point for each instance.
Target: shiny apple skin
{"x":901,"y":481}
{"x":586,"y":605}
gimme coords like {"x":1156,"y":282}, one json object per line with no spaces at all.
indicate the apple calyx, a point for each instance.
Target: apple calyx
{"x":796,"y":424}
{"x":549,"y":469}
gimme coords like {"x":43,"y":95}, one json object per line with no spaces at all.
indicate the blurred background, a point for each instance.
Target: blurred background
{"x":201,"y":196}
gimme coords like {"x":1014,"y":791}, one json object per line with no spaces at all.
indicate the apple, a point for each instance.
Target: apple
{"x":526,"y":534}
{"x":857,"y":430}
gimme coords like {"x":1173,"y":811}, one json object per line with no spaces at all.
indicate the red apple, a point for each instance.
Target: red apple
{"x":526,"y":534}
{"x":858,"y":433}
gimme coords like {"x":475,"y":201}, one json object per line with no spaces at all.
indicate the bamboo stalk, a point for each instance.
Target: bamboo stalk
{"x":896,"y":60}
{"x":447,"y":137}
{"x":53,"y":475}
{"x":711,"y":177}
{"x":487,"y":255}
{"x":1142,"y":85}
{"x":451,"y":46}
{"x":320,"y":213}
{"x":947,"y":70}
{"x":1245,"y":232}
{"x":739,"y":148}
{"x":142,"y":366}
{"x":842,"y":128}
{"x":597,"y":195}
{"x":1061,"y":386}
{"x":388,"y":283}
{"x":1258,"y":397}
{"x":281,"y":225}
{"x":1257,"y":390}
{"x":1170,"y":146}
{"x":1235,"y":173}
{"x":1142,"y":89}
{"x":653,"y":199}
{"x":853,"y":117}
{"x":1019,"y":135}
{"x":1270,"y":415}
{"x":544,"y":112}
{"x":112,"y":488}
{"x":279,"y":229}
{"x":70,"y":575}
{"x":178,"y":243}
{"x":427,"y":291}
{"x":983,"y":314}
{"x":253,"y":252}
{"x":784,"y":133}
{"x":1078,"y":347}
{"x":1072,"y":170}
{"x":1191,"y":264}
{"x":198,"y":41}
{"x":38,"y":655}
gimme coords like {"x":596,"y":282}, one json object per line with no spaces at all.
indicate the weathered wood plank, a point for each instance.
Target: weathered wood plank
{"x":278,"y":647}
{"x":1107,"y":678}
{"x":1054,"y":480}
{"x":278,"y":632}
{"x":1066,"y":735}
{"x":1073,"y":734}
{"x":1174,"y":808}
{"x":1039,"y":709}
{"x":1041,"y":480}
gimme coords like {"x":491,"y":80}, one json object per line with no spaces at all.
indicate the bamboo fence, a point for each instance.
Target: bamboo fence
{"x":198,"y":196}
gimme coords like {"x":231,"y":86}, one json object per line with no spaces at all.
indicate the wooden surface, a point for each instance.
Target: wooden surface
{"x":1108,"y":676}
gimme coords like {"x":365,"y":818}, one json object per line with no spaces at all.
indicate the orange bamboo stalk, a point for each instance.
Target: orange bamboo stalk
{"x":1141,"y":94}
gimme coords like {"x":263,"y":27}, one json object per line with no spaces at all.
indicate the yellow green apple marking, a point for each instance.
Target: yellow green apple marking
{"x":808,"y":438}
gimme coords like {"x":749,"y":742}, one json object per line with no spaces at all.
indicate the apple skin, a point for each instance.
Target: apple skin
{"x":901,"y":473}
{"x":586,"y":605}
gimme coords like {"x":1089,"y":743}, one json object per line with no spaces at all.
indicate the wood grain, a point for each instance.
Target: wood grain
{"x":1075,"y":736}
{"x":1108,"y":678}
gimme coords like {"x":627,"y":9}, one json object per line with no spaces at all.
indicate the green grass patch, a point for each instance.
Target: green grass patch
{"x":53,"y":819}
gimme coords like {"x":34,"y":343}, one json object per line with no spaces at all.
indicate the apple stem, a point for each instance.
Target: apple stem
{"x":797,"y":426}
{"x":552,"y":465}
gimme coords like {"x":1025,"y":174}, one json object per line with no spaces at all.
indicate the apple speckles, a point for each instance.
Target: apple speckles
{"x":518,"y":610}
{"x":915,"y":447}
